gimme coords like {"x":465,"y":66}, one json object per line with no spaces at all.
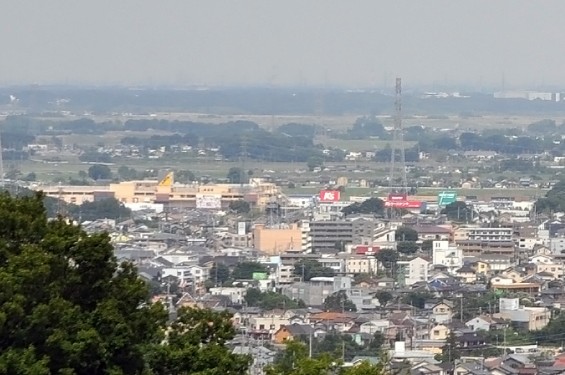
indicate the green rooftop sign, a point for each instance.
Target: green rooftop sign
{"x":446,"y":197}
{"x":259,"y":276}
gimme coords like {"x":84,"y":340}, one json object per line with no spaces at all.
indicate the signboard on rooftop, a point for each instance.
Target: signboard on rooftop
{"x":329,"y":195}
{"x":210,"y":202}
{"x":446,"y":197}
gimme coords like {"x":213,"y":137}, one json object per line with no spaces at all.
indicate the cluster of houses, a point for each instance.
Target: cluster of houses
{"x":515,"y":261}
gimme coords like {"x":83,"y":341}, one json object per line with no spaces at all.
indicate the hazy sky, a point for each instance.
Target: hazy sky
{"x":284,"y":42}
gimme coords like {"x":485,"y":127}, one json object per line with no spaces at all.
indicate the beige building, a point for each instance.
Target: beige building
{"x":210,"y":196}
{"x":276,"y":240}
{"x":361,"y":264}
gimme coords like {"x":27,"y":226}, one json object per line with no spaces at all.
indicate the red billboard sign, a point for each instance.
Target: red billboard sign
{"x":329,"y":195}
{"x":397,"y":197}
{"x":403,"y":204}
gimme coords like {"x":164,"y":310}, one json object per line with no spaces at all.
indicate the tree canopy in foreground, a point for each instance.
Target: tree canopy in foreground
{"x":68,"y":307}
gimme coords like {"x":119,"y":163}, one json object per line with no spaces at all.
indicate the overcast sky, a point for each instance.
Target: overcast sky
{"x":286,"y":42}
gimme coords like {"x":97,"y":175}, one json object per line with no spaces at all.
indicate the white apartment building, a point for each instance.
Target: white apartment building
{"x":187,"y":273}
{"x":236,"y":294}
{"x":490,"y":234}
{"x":285,"y":274}
{"x":414,"y":270}
{"x":447,"y":255}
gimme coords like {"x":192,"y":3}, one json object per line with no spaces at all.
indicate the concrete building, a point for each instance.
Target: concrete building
{"x":315,"y":291}
{"x":277,"y":239}
{"x":445,"y":254}
{"x":526,"y":318}
{"x":213,"y":196}
{"x":414,"y":270}
{"x":490,"y":234}
{"x":329,"y":234}
{"x":234,"y":293}
{"x":356,"y":264}
{"x":333,"y":234}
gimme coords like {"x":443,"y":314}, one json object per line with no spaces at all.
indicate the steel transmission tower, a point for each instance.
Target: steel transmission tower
{"x":398,"y":167}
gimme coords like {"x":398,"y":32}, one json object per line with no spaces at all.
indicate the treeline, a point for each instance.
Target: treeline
{"x":234,"y":139}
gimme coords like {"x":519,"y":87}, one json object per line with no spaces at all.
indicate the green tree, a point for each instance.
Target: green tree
{"x":339,"y":302}
{"x":388,"y":258}
{"x":270,"y":300}
{"x":184,"y":176}
{"x":406,"y":247}
{"x":245,"y":270}
{"x":309,"y":268}
{"x":365,"y":368}
{"x":427,"y":245}
{"x":126,"y":173}
{"x":236,"y":176}
{"x":405,"y":233}
{"x":314,"y":162}
{"x":373,"y":206}
{"x":109,"y":208}
{"x":196,"y":344}
{"x":417,"y":299}
{"x":450,"y":351}
{"x":99,"y":172}
{"x":68,"y":307}
{"x":219,"y":273}
{"x":384,"y":297}
{"x":458,"y":211}
{"x":240,"y":207}
{"x":294,"y":360}
{"x":554,"y":200}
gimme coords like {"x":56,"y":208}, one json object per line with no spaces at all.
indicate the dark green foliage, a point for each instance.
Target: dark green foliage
{"x":417,"y":299}
{"x":219,"y":273}
{"x":554,"y":200}
{"x":545,"y":126}
{"x":407,"y":247}
{"x":365,"y":127}
{"x":405,"y":233}
{"x":109,"y":208}
{"x":185,"y":176}
{"x":388,"y":257}
{"x":270,"y":300}
{"x":297,"y":130}
{"x":314,"y":162}
{"x":229,"y":137}
{"x":450,"y":351}
{"x":245,"y":270}
{"x":68,"y":307}
{"x":294,"y":360}
{"x":384,"y":297}
{"x":309,"y":268}
{"x":196,"y":344}
{"x":427,"y":245}
{"x":458,"y":211}
{"x":338,"y":302}
{"x":373,"y":206}
{"x":236,"y":176}
{"x":95,"y":157}
{"x":99,"y":172}
{"x":127,"y":173}
{"x":240,"y":207}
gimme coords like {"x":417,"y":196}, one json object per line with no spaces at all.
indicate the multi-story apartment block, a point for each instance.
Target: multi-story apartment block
{"x":414,"y":270}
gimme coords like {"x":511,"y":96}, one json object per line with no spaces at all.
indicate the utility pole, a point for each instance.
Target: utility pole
{"x":310,"y":345}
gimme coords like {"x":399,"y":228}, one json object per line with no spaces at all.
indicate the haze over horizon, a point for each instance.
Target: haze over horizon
{"x":366,"y":43}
